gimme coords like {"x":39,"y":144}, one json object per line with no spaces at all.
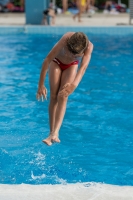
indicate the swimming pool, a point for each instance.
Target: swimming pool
{"x":96,"y":136}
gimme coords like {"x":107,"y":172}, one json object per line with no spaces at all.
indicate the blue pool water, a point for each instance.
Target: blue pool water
{"x":96,"y":135}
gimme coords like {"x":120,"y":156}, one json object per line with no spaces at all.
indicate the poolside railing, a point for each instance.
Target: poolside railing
{"x":131,"y":11}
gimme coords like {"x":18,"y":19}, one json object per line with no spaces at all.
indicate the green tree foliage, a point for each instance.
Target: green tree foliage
{"x":59,"y":3}
{"x":16,"y":2}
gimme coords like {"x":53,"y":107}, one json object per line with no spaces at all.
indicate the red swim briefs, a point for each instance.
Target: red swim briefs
{"x":65,"y":66}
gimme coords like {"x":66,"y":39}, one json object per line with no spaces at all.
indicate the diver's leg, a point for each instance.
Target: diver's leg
{"x":54,"y":79}
{"x":68,"y":76}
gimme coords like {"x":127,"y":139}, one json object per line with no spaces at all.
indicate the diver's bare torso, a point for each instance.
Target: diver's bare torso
{"x":64,"y":55}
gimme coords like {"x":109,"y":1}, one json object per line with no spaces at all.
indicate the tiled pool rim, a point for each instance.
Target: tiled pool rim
{"x":112,"y":30}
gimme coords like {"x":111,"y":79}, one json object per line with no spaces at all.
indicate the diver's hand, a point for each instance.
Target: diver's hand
{"x":41,"y":93}
{"x":67,"y":89}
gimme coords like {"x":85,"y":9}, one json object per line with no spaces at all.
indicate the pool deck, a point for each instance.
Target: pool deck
{"x":97,"y":19}
{"x":79,"y":191}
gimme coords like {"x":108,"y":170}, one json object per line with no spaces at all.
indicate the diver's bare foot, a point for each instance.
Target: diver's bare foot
{"x":51,"y":139}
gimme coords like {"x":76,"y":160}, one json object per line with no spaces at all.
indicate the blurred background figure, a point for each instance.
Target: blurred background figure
{"x":64,"y":5}
{"x":81,"y":5}
{"x":3,"y":5}
{"x":108,"y":6}
{"x":114,"y":8}
{"x":12,"y":5}
{"x":91,"y":9}
{"x":22,"y":2}
{"x":18,"y":5}
{"x":49,"y":15}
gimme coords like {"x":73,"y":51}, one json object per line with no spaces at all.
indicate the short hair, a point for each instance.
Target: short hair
{"x":77,"y":43}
